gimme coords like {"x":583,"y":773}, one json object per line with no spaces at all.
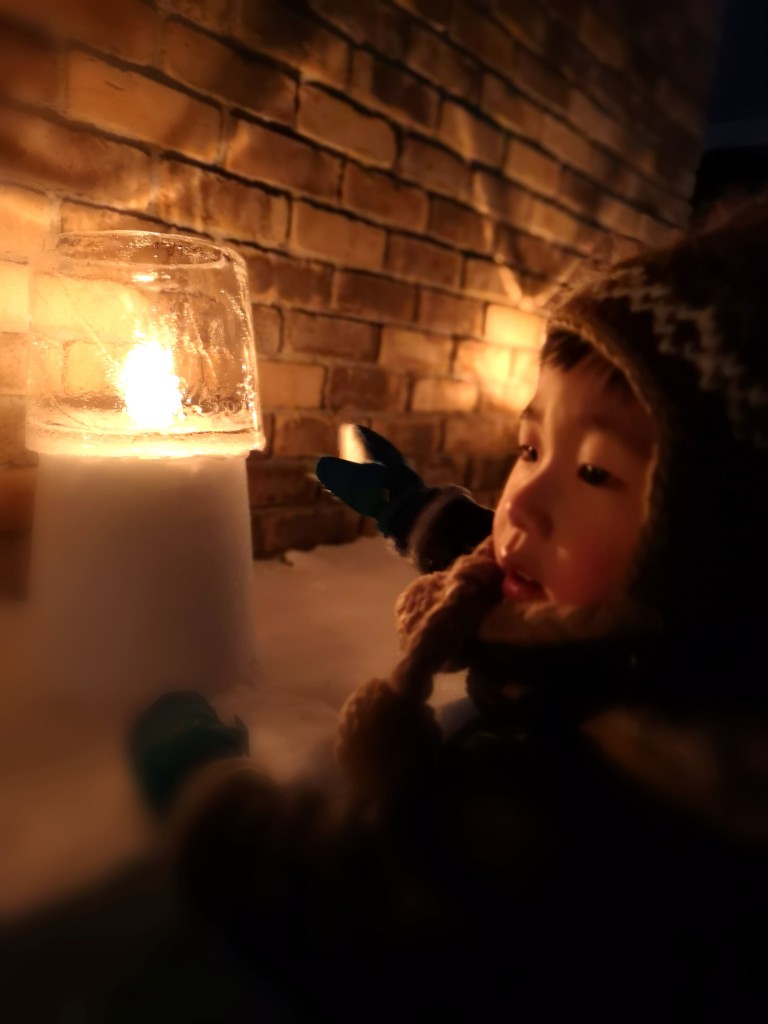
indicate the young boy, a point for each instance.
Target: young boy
{"x":594,"y":840}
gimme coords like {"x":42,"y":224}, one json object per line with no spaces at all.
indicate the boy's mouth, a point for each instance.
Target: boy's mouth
{"x":519,"y":586}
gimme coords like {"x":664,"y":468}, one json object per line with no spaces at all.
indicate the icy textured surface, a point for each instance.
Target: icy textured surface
{"x":141,"y":344}
{"x":69,"y":816}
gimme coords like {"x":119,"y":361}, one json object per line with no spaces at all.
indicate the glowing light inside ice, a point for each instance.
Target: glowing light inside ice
{"x":150,"y":389}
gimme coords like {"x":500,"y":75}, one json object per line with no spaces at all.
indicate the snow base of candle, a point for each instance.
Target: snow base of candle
{"x":141,"y":576}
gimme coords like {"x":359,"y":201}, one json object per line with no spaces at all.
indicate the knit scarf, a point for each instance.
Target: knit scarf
{"x":387,"y":732}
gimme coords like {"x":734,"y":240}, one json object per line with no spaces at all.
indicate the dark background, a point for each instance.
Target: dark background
{"x":735,"y":158}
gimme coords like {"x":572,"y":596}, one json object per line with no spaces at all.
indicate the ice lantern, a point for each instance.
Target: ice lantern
{"x":142,"y":404}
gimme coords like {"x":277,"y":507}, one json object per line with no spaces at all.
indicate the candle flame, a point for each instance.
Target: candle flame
{"x":150,"y":388}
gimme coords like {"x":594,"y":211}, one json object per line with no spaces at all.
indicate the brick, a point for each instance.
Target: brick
{"x":375,"y":297}
{"x":531,"y":167}
{"x":272,"y":27}
{"x":13,"y":451}
{"x":434,"y":167}
{"x":537,"y":77}
{"x":191,"y":197}
{"x":25,"y":220}
{"x":449,"y":313}
{"x":460,"y":225}
{"x":599,"y":37}
{"x":74,"y":159}
{"x":505,"y":326}
{"x":443,"y":469}
{"x":150,"y":111}
{"x":475,"y":435}
{"x":214,"y":14}
{"x":553,"y":223}
{"x":606,"y":168}
{"x":290,"y":385}
{"x":278,"y":530}
{"x":557,"y":225}
{"x":265,"y":155}
{"x":489,"y":277}
{"x":434,"y":395}
{"x":479,"y":360}
{"x":385,"y":198}
{"x":384,"y":29}
{"x":596,"y":124}
{"x":353,"y":387}
{"x":267,"y":428}
{"x":524,"y":19}
{"x":84,"y":217}
{"x":330,"y":336}
{"x":482,"y":37}
{"x":13,"y":364}
{"x":578,"y":192}
{"x":338,"y":123}
{"x":280,"y":482}
{"x":569,"y":11}
{"x":619,"y":217}
{"x":337,"y":237}
{"x":436,"y":11}
{"x":684,"y":110}
{"x":533,"y":254}
{"x":413,"y":257}
{"x":640,"y":153}
{"x":651,"y":231}
{"x":406,"y":350}
{"x":14,"y":300}
{"x":523,"y":378}
{"x":619,"y":94}
{"x":267,"y":325}
{"x":129,"y":31}
{"x":29,"y":65}
{"x":469,"y":135}
{"x":414,"y":438}
{"x":305,"y":435}
{"x":565,"y":144}
{"x":496,"y":195}
{"x":399,"y":93}
{"x":444,"y":64}
{"x":565,"y":50}
{"x":17,"y":499}
{"x":489,"y":473}
{"x":206,"y":64}
{"x":292,"y":282}
{"x":510,"y":108}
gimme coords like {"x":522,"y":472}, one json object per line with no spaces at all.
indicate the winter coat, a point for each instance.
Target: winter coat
{"x":594,"y":842}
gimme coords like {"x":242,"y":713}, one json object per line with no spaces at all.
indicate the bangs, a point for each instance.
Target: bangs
{"x":563,"y":350}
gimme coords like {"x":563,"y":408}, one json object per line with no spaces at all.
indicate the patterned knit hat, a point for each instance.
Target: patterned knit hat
{"x":688,"y":325}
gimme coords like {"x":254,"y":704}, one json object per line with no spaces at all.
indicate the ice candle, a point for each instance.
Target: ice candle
{"x":142,"y":405}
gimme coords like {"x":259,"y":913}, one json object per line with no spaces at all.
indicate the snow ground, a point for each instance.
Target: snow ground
{"x":69,"y":815}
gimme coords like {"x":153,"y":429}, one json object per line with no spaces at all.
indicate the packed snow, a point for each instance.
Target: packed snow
{"x":69,"y":813}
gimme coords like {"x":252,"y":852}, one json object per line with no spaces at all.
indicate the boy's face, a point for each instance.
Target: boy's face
{"x":575,"y":501}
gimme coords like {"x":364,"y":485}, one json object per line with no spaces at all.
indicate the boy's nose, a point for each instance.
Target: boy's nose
{"x":528,"y":509}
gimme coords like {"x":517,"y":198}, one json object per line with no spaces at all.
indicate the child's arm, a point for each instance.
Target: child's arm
{"x":431,"y":525}
{"x":297,"y":881}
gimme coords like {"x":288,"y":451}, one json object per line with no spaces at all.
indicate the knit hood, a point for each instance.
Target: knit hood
{"x":687,"y":326}
{"x":681,"y":645}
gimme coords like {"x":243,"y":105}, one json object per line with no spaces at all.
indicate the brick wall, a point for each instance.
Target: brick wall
{"x":408,"y":180}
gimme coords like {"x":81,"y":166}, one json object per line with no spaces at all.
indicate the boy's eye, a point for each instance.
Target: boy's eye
{"x":593,"y":475}
{"x":527,"y":453}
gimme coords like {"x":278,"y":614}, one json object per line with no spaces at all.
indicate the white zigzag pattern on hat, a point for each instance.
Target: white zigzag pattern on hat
{"x":717,"y":369}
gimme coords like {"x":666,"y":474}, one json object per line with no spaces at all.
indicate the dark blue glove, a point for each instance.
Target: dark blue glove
{"x":384,"y":487}
{"x":176,"y":735}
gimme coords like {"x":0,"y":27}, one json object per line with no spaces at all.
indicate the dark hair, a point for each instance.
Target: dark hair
{"x":564,"y":350}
